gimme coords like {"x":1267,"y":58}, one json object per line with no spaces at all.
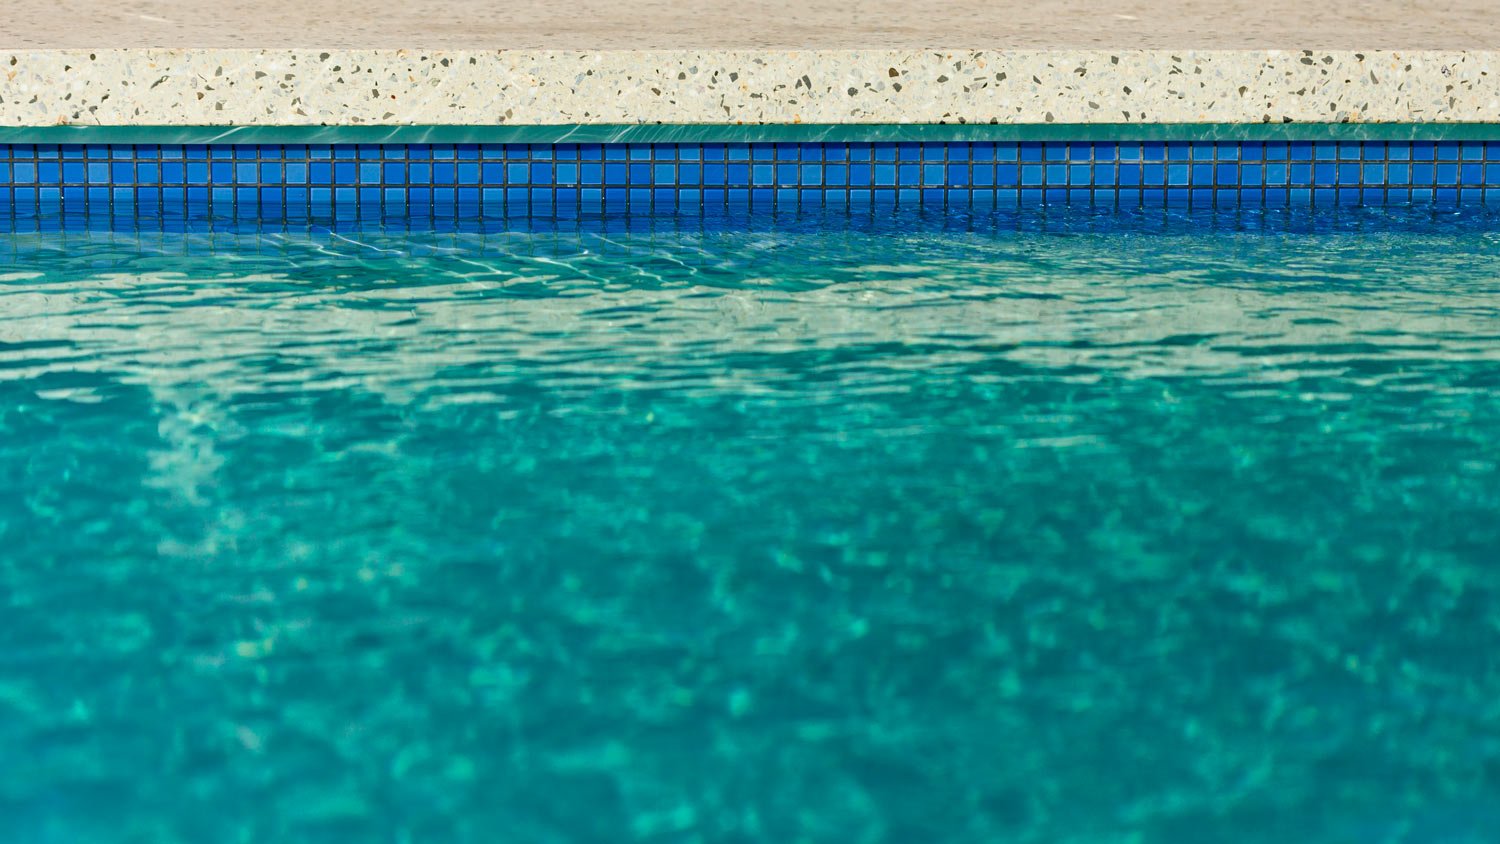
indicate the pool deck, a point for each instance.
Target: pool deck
{"x":467,"y":62}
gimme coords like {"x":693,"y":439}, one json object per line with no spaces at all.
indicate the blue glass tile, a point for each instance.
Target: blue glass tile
{"x":511,"y":179}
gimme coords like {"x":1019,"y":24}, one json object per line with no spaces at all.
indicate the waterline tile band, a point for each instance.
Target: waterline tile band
{"x":461,"y":181}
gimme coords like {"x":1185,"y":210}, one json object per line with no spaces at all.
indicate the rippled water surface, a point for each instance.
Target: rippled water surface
{"x":1065,"y":531}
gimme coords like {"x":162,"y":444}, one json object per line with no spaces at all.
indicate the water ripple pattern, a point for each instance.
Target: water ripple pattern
{"x":892,"y":533}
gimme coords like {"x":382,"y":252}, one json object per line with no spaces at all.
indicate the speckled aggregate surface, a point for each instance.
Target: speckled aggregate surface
{"x":296,"y":87}
{"x":468,"y":63}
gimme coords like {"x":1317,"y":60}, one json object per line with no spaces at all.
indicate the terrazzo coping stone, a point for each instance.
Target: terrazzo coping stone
{"x":468,"y":62}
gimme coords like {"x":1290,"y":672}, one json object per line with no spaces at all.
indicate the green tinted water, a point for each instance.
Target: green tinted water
{"x":908,"y":533}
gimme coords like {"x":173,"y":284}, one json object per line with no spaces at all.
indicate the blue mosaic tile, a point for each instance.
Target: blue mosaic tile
{"x":456,"y":181}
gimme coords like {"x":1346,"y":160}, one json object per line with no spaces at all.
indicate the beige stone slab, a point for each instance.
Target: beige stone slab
{"x":593,"y":25}
{"x":365,"y":87}
{"x":271,"y":62}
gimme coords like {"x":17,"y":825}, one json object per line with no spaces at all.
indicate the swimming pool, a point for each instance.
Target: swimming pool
{"x":1047,"y":526}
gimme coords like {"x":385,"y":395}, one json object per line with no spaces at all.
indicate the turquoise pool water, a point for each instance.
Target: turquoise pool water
{"x":1063,"y":529}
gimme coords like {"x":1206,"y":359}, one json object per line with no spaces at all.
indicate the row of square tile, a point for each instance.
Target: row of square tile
{"x":930,"y":152}
{"x":303,"y":203}
{"x":750,"y":174}
{"x":457,"y":181}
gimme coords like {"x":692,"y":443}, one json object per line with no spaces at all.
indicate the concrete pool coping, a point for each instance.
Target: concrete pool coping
{"x":468,"y":63}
